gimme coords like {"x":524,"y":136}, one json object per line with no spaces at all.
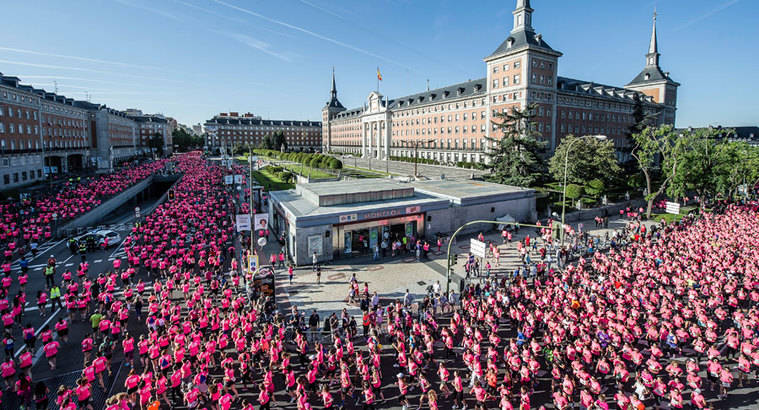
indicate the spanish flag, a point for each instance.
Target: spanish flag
{"x":379,"y":75}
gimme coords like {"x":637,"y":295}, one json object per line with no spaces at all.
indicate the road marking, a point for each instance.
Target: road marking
{"x":115,"y":251}
{"x":18,"y":352}
{"x":97,"y":261}
{"x":38,"y":269}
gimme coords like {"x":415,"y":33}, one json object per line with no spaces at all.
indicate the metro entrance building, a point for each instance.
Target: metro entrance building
{"x":343,"y":219}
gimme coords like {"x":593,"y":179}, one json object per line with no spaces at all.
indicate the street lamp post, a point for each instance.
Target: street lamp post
{"x":416,"y":152}
{"x":566,"y":164}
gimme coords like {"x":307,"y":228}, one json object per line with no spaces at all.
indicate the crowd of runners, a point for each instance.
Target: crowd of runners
{"x":28,"y":222}
{"x":671,"y":319}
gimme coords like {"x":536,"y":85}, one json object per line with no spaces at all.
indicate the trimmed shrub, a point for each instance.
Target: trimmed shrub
{"x":574,"y":191}
{"x":595,"y":188}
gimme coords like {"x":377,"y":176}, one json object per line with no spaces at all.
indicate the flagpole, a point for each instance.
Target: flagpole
{"x":378,"y":80}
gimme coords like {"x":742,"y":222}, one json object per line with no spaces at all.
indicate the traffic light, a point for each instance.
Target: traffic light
{"x":171,"y":195}
{"x":455,"y":259}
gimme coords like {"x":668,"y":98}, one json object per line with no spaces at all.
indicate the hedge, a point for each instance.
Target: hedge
{"x":311,"y":160}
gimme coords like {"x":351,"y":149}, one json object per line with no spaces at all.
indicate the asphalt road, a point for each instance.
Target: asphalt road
{"x":69,"y":359}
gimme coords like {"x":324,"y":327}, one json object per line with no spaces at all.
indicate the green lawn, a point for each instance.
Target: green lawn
{"x":670,"y":218}
{"x":270,"y":182}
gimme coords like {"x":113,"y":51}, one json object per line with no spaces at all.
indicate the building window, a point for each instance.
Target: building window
{"x":495,"y":83}
{"x":505,"y":67}
{"x":516,"y":79}
{"x":516,"y":64}
{"x":6,"y":179}
{"x":495,"y":68}
{"x":506,"y":81}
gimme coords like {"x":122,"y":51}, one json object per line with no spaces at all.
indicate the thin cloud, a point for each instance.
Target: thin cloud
{"x":149,"y":10}
{"x":311,"y":33}
{"x":208,"y":11}
{"x":84,"y":70}
{"x":236,"y":20}
{"x":259,"y":45}
{"x":58,"y":77}
{"x":323,"y":9}
{"x":703,"y":17}
{"x":78,"y":58}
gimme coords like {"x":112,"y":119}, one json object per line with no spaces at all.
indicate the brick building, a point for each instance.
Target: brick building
{"x":232,"y":129}
{"x":39,"y":129}
{"x":43,"y":132}
{"x":453,"y":123}
{"x":148,"y":125}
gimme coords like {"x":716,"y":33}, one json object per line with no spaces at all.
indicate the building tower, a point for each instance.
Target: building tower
{"x":655,"y":83}
{"x":332,"y":108}
{"x":522,"y":71}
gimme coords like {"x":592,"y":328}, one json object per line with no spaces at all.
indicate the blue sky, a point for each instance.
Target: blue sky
{"x":191,"y":59}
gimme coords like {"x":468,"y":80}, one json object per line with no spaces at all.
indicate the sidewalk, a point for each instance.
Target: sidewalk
{"x":390,"y":277}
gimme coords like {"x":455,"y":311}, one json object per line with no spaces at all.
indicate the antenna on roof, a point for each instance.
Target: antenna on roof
{"x":55,"y":84}
{"x":428,"y":84}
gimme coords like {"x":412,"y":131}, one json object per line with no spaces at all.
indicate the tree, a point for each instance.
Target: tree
{"x":279,"y":142}
{"x":186,"y":141}
{"x":267,"y":142}
{"x":589,"y":158}
{"x":712,"y":165}
{"x":739,"y":165}
{"x":517,"y":158}
{"x":156,"y":142}
{"x":654,"y":148}
{"x":595,"y":188}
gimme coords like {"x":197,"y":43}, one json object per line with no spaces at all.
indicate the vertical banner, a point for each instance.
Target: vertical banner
{"x":348,"y":239}
{"x":261,"y":222}
{"x":373,"y":234}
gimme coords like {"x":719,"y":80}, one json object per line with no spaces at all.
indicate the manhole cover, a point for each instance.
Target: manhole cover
{"x":421,"y":283}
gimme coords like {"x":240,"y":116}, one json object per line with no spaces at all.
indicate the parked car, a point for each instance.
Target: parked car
{"x":113,"y":237}
{"x":92,"y":240}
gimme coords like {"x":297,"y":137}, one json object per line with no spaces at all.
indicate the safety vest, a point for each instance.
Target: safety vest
{"x":82,"y":246}
{"x":49,"y":271}
{"x":55,"y":292}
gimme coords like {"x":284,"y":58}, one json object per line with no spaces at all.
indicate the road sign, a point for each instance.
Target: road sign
{"x":673,"y":208}
{"x":238,"y":179}
{"x":477,"y":247}
{"x":136,"y":211}
{"x":229,"y":179}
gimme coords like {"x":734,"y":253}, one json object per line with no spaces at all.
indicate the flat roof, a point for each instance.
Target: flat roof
{"x":302,"y":204}
{"x":303,"y":212}
{"x":352,"y":186}
{"x":470,"y":192}
{"x":353,"y":191}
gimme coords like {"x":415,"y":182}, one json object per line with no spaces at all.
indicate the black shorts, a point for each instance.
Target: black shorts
{"x":63,"y":332}
{"x":132,"y":390}
{"x":85,"y":402}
